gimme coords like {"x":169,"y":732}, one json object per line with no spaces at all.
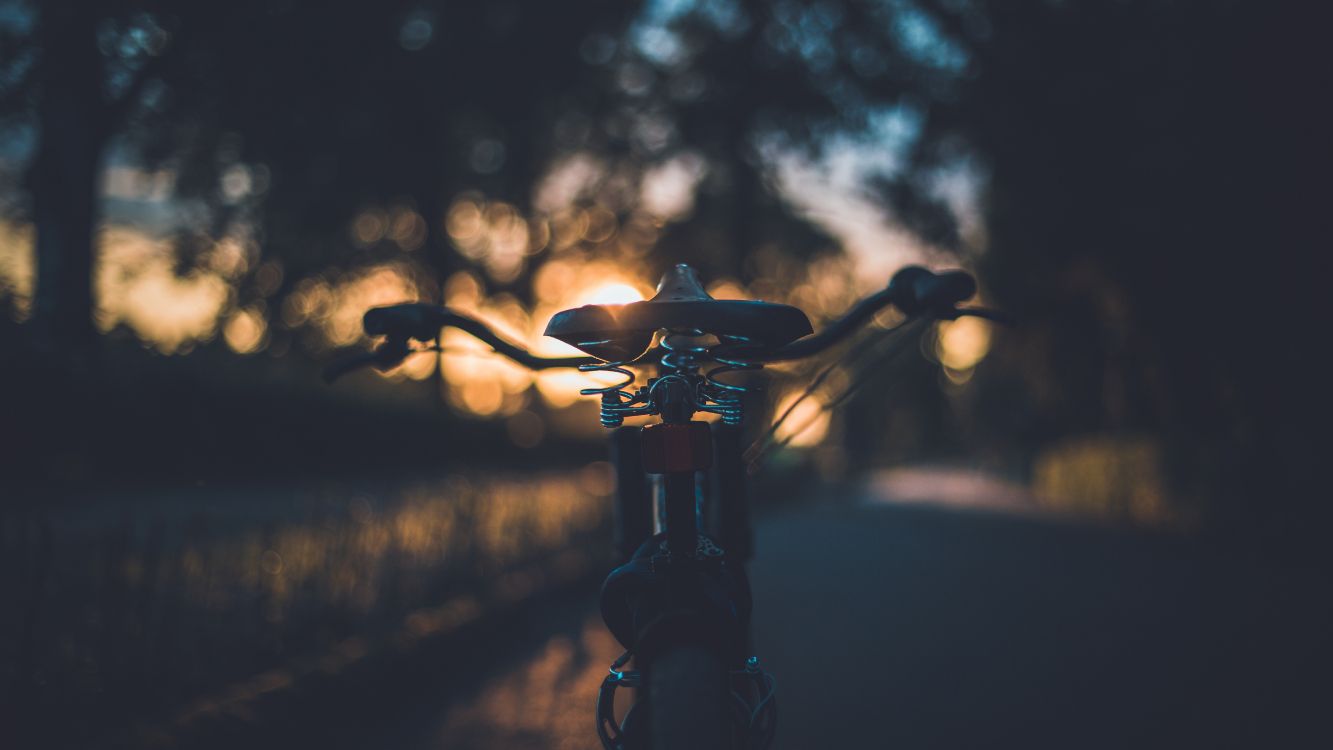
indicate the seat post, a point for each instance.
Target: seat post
{"x":677,"y":452}
{"x":682,"y":528}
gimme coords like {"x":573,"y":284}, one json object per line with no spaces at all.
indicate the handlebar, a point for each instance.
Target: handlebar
{"x":918,"y":292}
{"x":423,"y":322}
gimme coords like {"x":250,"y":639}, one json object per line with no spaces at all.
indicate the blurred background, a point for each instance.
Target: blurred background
{"x":1106,"y":522}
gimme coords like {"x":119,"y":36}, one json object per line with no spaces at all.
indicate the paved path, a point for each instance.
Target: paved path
{"x":916,"y":627}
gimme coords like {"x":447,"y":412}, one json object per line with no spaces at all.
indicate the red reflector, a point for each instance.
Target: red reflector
{"x":672,"y":448}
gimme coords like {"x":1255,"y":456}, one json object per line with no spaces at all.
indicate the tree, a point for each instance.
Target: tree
{"x":339,"y":105}
{"x":75,"y":119}
{"x":1150,"y":212}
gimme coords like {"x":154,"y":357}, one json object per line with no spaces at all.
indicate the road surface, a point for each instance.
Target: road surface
{"x":916,"y":626}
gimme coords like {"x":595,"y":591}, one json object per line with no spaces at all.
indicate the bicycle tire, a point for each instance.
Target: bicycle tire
{"x":688,"y":700}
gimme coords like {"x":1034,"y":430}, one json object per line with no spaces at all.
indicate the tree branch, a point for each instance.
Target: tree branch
{"x":118,"y":109}
{"x":16,"y":98}
{"x":953,"y":23}
{"x":14,"y":95}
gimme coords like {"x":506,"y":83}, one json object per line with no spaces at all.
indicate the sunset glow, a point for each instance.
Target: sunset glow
{"x":613,"y":293}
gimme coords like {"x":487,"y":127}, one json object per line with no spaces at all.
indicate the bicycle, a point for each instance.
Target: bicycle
{"x":679,"y":603}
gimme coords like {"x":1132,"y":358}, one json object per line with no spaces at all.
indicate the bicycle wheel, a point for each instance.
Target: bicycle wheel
{"x":688,"y":700}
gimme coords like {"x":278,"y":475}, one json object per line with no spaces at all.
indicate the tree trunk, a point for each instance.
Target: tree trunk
{"x":64,"y":173}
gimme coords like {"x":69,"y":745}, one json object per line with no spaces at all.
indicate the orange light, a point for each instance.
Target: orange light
{"x":807,"y":424}
{"x":614,"y":293}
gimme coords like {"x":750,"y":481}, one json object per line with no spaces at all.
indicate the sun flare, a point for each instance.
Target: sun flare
{"x":612,"y":293}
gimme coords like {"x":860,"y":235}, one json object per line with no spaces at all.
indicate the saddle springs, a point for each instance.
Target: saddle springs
{"x":683,"y":353}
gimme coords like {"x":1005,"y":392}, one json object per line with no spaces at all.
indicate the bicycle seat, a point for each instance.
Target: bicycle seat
{"x":620,"y":333}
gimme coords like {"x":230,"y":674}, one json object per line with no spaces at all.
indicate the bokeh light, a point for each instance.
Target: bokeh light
{"x":808,"y":423}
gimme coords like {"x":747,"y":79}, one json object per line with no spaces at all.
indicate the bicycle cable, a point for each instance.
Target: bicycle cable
{"x":889,"y":346}
{"x":850,"y":357}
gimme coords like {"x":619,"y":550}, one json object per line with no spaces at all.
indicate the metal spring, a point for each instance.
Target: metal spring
{"x":683,"y":350}
{"x":613,"y":395}
{"x":729,"y":394}
{"x":616,"y":367}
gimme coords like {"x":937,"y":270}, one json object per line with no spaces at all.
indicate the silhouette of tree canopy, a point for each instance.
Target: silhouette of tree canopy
{"x":344,"y":105}
{"x":340,"y":104}
{"x":1148,"y":169}
{"x":1150,"y":209}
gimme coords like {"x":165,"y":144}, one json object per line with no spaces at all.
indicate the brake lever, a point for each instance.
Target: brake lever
{"x":388,"y":355}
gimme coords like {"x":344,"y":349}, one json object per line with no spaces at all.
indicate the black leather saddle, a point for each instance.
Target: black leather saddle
{"x":620,"y":333}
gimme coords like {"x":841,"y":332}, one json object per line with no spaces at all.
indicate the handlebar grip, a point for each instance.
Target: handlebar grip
{"x":414,"y":320}
{"x":916,"y":290}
